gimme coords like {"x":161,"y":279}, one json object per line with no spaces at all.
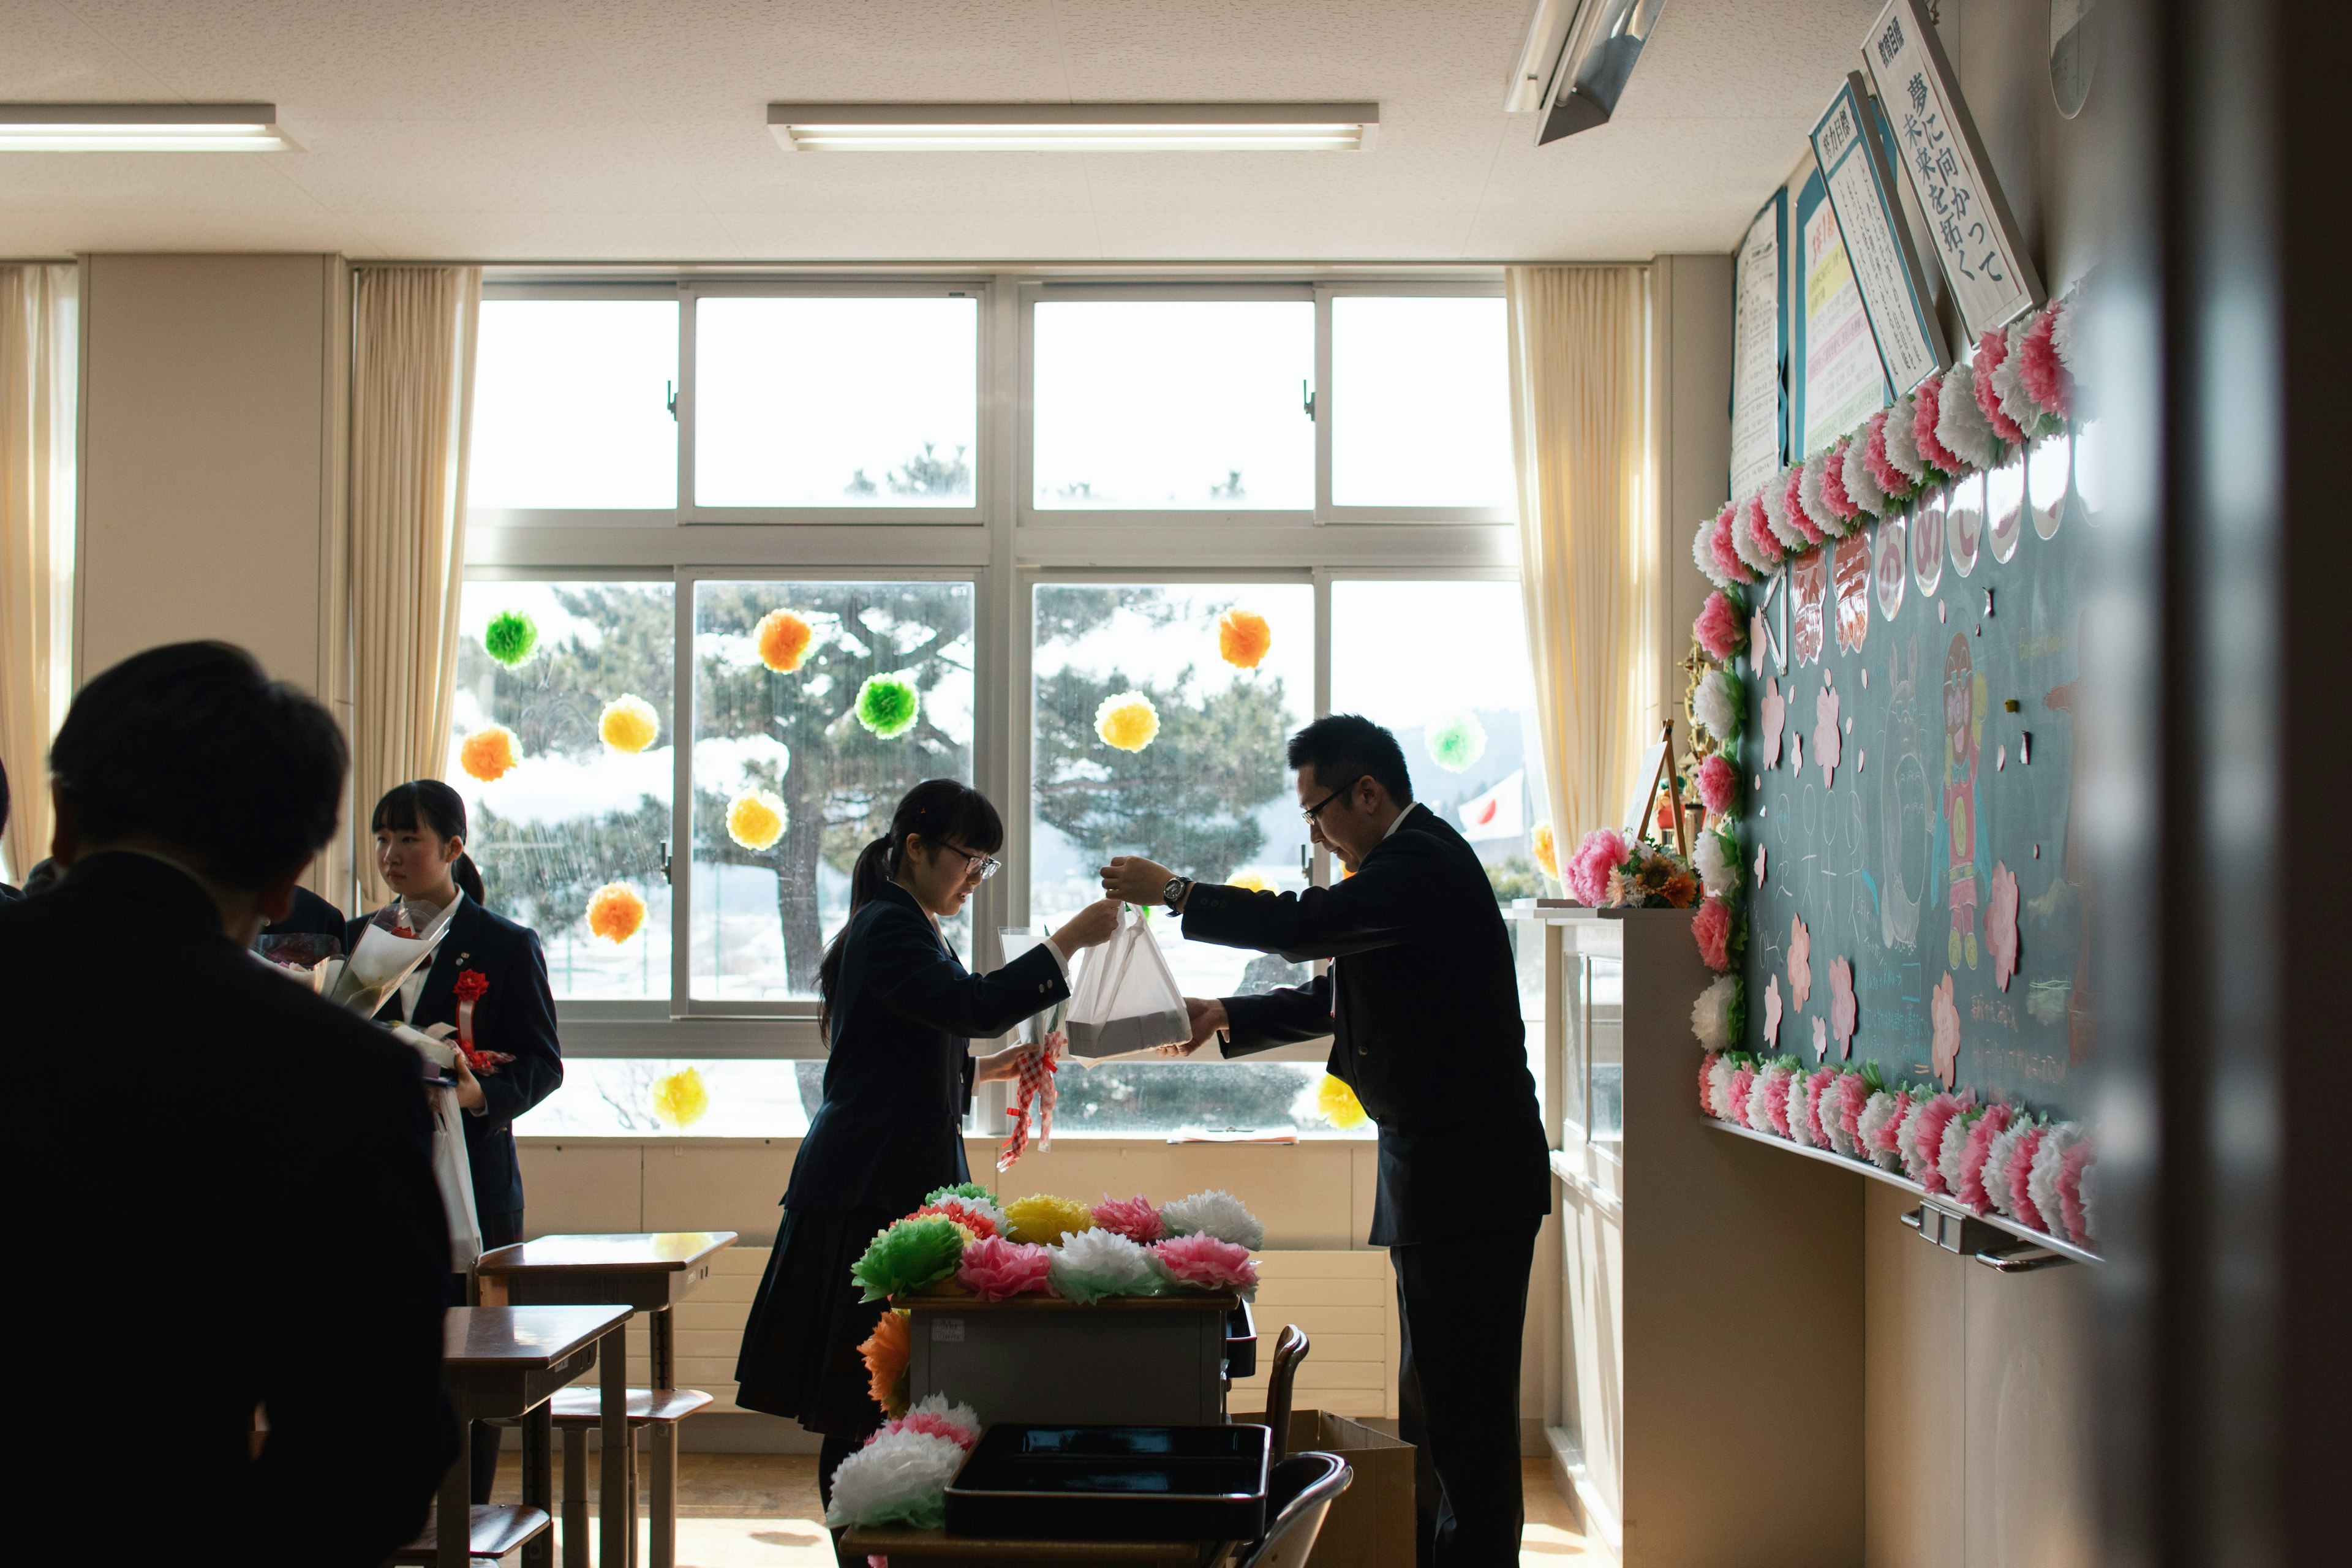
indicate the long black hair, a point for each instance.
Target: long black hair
{"x":439,"y":807}
{"x":938,"y":809}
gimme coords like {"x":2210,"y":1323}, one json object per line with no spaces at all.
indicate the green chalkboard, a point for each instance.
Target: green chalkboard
{"x":1946,"y":645}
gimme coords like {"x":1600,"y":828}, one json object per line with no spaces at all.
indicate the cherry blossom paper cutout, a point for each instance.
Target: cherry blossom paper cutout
{"x":1827,"y":737}
{"x":1821,"y":1039}
{"x":1842,"y":1006}
{"x":2001,"y":923}
{"x":1797,"y":754}
{"x":1946,"y":1018}
{"x":1759,"y":862}
{"x":1776,"y":719}
{"x":1772,"y":1011}
{"x":1801,"y":962}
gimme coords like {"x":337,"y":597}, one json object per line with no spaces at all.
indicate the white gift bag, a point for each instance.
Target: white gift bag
{"x":1127,"y":998}
{"x":456,"y":1178}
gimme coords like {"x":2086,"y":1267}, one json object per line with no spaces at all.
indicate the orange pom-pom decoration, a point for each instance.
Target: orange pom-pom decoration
{"x":489,"y":754}
{"x":1242,"y":638}
{"x":616,"y":912}
{"x":784,"y":639}
{"x":1547,"y":847}
{"x":886,"y":1351}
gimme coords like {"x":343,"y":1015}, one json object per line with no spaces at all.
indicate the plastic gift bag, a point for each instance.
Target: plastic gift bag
{"x":451,"y":1171}
{"x":1127,"y":998}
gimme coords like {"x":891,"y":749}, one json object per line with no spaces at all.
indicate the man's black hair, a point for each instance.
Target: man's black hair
{"x":1344,"y":747}
{"x":192,"y":748}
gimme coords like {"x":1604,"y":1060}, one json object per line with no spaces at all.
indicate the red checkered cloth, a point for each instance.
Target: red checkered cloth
{"x":1035,"y":1096}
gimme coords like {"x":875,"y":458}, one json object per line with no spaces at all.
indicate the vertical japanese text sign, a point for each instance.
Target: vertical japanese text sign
{"x":1992,"y":281}
{"x":1886,"y":269}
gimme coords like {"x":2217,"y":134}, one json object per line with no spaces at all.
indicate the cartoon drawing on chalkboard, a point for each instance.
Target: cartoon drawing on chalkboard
{"x":1906,"y":813}
{"x":1964,"y":710}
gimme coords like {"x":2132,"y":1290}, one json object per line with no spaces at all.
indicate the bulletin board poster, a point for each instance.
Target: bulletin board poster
{"x":1760,"y":333}
{"x":1836,"y":380}
{"x":1869,"y":216}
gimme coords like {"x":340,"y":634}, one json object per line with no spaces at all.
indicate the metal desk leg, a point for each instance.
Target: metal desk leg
{"x":662,"y":1440}
{"x":617,"y":1529}
{"x":575,"y":1497}
{"x":453,"y":1530}
{"x":539,"y":1483}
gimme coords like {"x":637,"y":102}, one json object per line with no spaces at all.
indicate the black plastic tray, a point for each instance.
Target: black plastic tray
{"x":1240,"y":1342}
{"x":1113,"y":1483}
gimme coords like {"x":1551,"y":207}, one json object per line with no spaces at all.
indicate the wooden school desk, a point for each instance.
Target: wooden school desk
{"x":937,"y":1548}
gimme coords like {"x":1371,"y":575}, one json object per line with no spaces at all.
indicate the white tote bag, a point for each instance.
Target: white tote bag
{"x":456,"y":1178}
{"x":1127,"y":999}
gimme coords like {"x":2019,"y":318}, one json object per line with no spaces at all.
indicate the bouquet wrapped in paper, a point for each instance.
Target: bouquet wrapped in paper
{"x":389,"y":950}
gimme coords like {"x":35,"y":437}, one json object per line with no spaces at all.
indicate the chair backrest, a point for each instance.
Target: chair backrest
{"x":1298,"y":1495}
{"x":1288,"y":1351}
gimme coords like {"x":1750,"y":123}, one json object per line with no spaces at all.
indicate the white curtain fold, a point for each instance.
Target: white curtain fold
{"x":40,"y":356}
{"x":411,"y":412}
{"x":1589,"y":558}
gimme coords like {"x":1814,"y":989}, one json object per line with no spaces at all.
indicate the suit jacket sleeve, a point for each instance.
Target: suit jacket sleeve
{"x":526,"y":1033}
{"x":915,"y":977}
{"x":1376,"y":908}
{"x":1283,"y":1017}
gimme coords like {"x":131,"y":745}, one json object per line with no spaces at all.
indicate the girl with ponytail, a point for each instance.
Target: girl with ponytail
{"x":488,"y":980}
{"x":898,"y":1013}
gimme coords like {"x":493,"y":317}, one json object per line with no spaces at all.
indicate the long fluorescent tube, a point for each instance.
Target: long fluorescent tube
{"x":141,"y":128}
{"x":1074,"y":127}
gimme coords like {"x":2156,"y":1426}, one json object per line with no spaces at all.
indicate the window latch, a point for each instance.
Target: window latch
{"x":669,"y":392}
{"x":1307,"y":397}
{"x":665,"y":861}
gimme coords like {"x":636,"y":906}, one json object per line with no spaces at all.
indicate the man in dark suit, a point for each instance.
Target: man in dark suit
{"x":240,"y":1174}
{"x":1422,"y":1000}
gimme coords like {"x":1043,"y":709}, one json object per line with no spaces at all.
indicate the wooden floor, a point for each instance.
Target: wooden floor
{"x":760,"y":1510}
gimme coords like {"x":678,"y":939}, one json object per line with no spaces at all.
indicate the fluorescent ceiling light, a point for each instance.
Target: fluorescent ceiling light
{"x":141,"y":128}
{"x":1576,"y":59}
{"x":1074,"y":127}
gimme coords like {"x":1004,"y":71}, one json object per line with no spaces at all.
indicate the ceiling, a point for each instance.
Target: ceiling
{"x":604,"y":131}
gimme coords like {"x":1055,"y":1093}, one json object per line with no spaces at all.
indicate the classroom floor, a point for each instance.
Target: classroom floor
{"x":760,"y":1510}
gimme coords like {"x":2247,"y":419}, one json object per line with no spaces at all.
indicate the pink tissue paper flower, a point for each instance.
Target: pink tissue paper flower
{"x":1808,"y":497}
{"x":1703,"y":554}
{"x":2039,"y":367}
{"x":1761,"y":554}
{"x":1726,"y":555}
{"x":1833,"y":488}
{"x":1134,"y":1219}
{"x":1884,"y":1151}
{"x":1931,"y":1119}
{"x":1925,"y":407}
{"x":2020,"y":1172}
{"x":930,"y":1423}
{"x":1897,"y":484}
{"x":995,"y":1270}
{"x":1602,"y":851}
{"x":2070,"y":1193}
{"x":1776,"y":1098}
{"x":1972,"y":1160}
{"x":1743,"y":1079}
{"x":1853,"y":1094}
{"x":1711,"y":928}
{"x":1718,"y":784}
{"x":1204,"y":1261}
{"x":1793,"y":491}
{"x":1720,"y":628}
{"x":1706,"y":1088}
{"x":1759,"y":529}
{"x":1820,"y":1105}
{"x":1992,"y":348}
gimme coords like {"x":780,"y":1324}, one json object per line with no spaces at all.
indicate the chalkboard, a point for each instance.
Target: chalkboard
{"x":1915,"y":638}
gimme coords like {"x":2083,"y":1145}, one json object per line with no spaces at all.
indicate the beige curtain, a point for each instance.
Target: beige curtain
{"x":412,"y":409}
{"x":39,"y":358}
{"x":1589,"y":558}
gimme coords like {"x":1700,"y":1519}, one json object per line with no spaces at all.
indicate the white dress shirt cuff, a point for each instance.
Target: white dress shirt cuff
{"x":1061,"y":960}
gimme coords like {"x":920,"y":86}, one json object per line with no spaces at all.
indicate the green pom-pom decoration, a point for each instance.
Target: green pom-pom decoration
{"x":1455,"y":742}
{"x":908,"y":1255}
{"x":511,"y":638}
{"x":961,"y":1190}
{"x":886,"y":706}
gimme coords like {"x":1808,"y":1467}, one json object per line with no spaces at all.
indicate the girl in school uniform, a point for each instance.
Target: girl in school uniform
{"x":899,"y":1015}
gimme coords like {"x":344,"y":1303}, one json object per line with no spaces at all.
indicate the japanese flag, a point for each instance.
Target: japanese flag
{"x":1497,"y":813}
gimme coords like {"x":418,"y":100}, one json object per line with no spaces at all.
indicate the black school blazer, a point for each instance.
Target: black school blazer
{"x":515,"y":1015}
{"x":1422,"y":1003}
{"x":899,"y":1080}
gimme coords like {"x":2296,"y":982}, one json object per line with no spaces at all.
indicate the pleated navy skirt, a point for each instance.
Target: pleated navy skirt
{"x":800,"y":1346}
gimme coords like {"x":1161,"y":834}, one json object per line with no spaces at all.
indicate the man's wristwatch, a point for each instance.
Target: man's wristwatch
{"x":1173,"y":894}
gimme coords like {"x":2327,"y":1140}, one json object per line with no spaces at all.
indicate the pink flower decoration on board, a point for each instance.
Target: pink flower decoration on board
{"x":1759,"y":529}
{"x":1818,"y":1088}
{"x":1772,"y":1011}
{"x":1134,"y":1218}
{"x":2001,"y":923}
{"x":1821,"y":1039}
{"x":1827,"y":738}
{"x":1719,"y":785}
{"x":1776,"y":719}
{"x":1853,"y":1094}
{"x":2071,"y":1167}
{"x":1719,"y":628}
{"x":1933,"y":1118}
{"x":1841,"y":1005}
{"x":1796,"y":755}
{"x":1972,"y":1160}
{"x":1602,"y":851}
{"x":1892,"y":479}
{"x":1205,"y":1263}
{"x":1884,"y":1143}
{"x":1776,"y":1101}
{"x":2044,"y":374}
{"x":1711,"y":929}
{"x":1725,"y":553}
{"x":1743,"y":1079}
{"x":1833,"y":489}
{"x":995,"y":1270}
{"x":1705,"y":1084}
{"x":1760,"y":865}
{"x":1926,"y":406}
{"x":2020,"y":1172}
{"x":1945,"y":1019}
{"x":1800,"y":963}
{"x":1992,"y":348}
{"x":1795,"y":491}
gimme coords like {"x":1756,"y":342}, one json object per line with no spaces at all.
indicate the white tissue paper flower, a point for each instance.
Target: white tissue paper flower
{"x":1775,"y":513}
{"x":1756,"y":1116}
{"x":1833,"y":1120}
{"x":2042,"y":1182}
{"x":1906,"y":1140}
{"x":1759,"y":559}
{"x":1718,"y":1088}
{"x":2086,"y":1192}
{"x":2062,"y":335}
{"x":1876,"y":1113}
{"x":1800,"y":1126}
{"x":1996,"y":1166}
{"x":1718,"y":705}
{"x":1703,"y":553}
{"x":899,"y":1477}
{"x":1213,"y":1212}
{"x":1093,"y":1263}
{"x":2009,"y":385}
{"x":1809,"y":496}
{"x":1716,"y":860}
{"x":1961,"y":425}
{"x":1956,"y":1143}
{"x":1861,"y":487}
{"x":1711,"y":1022}
{"x":1902,"y":445}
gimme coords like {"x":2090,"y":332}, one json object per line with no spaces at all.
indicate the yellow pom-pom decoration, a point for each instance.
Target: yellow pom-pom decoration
{"x":489,"y":754}
{"x":1547,"y":846}
{"x":756,"y":819}
{"x":1046,"y":1219}
{"x":629,"y":725}
{"x":1250,"y":883}
{"x":1242,"y":638}
{"x":680,"y":1099}
{"x":614,"y":913}
{"x":784,"y":639}
{"x":1127,"y":721}
{"x":1338,"y":1103}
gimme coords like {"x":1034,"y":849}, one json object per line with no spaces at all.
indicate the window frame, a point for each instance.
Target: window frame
{"x":1331,"y":403}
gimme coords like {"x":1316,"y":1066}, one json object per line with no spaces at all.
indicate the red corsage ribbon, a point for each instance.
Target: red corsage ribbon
{"x":471,"y":985}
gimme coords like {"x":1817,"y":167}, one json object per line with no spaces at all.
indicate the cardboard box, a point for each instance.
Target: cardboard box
{"x":1372,"y":1524}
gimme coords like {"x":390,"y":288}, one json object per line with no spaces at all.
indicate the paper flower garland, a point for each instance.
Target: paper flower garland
{"x":629,"y":725}
{"x":489,"y":754}
{"x":961,"y":1190}
{"x":1127,"y":722}
{"x":782,"y":639}
{"x":1456,"y":741}
{"x":901,"y":1475}
{"x":1722,"y":626}
{"x":1602,"y":851}
{"x":1134,"y":1219}
{"x":616,"y":912}
{"x":1205,"y":1263}
{"x":510,"y":637}
{"x":1338,"y":1104}
{"x":1213,"y":1212}
{"x":1242,"y":638}
{"x":1043,"y":1218}
{"x":888,"y":706}
{"x":756,"y":819}
{"x":995,"y":1270}
{"x":680,"y":1099}
{"x":908,"y":1255}
{"x":1719,"y":1015}
{"x":1095,"y":1264}
{"x":1717,"y":703}
{"x":886,"y":1351}
{"x":980,"y":1218}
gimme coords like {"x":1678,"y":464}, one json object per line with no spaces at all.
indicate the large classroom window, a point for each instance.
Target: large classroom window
{"x":675,"y":743}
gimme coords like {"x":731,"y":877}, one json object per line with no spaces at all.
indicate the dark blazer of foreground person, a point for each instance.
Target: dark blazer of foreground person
{"x":1424,"y":1004}
{"x":222,"y":1198}
{"x":514,"y":1015}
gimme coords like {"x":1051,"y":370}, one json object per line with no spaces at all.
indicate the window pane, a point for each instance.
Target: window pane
{"x":633,"y":1096}
{"x":571,"y":405}
{"x":1126,"y":1099}
{"x":573,"y":813}
{"x":1445,"y":665}
{"x":1207,"y":793}
{"x":1420,"y":403}
{"x":836,"y":402}
{"x":1153,"y":404}
{"x":793,"y":772}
